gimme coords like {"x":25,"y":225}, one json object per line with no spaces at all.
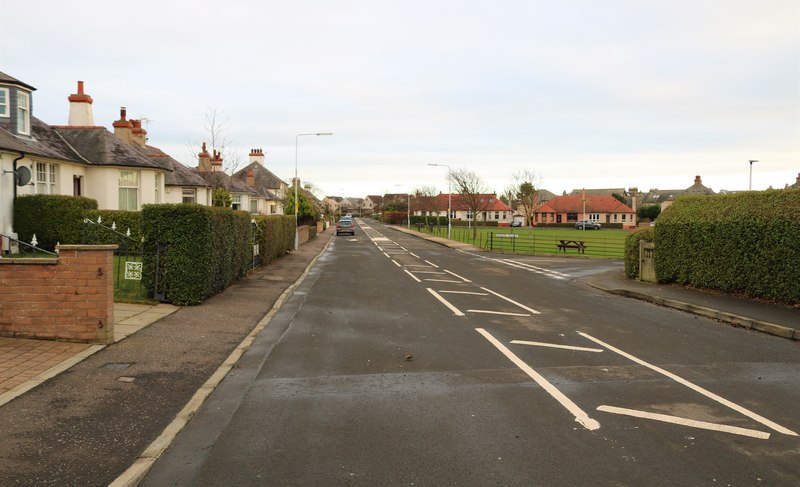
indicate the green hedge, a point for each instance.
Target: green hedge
{"x":122,"y":220}
{"x":275,"y":236}
{"x":53,"y":218}
{"x":207,"y":248}
{"x":632,"y":250}
{"x":432,"y":220}
{"x":746,"y":242}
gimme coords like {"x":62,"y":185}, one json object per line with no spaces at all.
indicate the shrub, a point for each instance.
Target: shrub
{"x":746,"y":242}
{"x":124,"y":221}
{"x":632,"y":250}
{"x":53,"y":218}
{"x":275,"y":236}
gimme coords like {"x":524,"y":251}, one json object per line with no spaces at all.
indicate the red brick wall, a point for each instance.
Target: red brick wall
{"x":70,"y":298}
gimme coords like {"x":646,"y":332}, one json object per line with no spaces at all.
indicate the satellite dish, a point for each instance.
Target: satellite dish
{"x":22,"y":176}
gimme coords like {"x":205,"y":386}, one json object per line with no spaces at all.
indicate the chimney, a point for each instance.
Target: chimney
{"x":634,"y":192}
{"x":138,"y":134}
{"x":203,"y":160}
{"x":80,"y":109}
{"x":257,"y":155}
{"x":122,"y":127}
{"x":251,"y":178}
{"x":698,"y":181}
{"x":216,"y":161}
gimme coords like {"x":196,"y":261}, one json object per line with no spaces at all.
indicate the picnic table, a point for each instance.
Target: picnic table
{"x":563,"y":245}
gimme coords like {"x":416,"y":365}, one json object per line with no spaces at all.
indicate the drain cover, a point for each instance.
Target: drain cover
{"x":118,"y":365}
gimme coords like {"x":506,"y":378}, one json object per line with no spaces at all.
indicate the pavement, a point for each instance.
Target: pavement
{"x":66,"y":405}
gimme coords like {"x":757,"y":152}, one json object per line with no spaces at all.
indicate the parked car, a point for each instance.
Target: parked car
{"x":516,"y":223}
{"x":587,"y":224}
{"x":345,"y":226}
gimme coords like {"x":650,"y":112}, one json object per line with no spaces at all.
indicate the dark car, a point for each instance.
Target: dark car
{"x":345,"y":226}
{"x":587,"y":224}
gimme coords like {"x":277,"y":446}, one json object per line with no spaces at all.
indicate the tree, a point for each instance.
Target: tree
{"x":648,"y":211}
{"x":620,"y":198}
{"x":473,"y":193}
{"x":308,"y":212}
{"x":524,"y":190}
{"x":215,"y":125}
{"x":426,"y":200}
{"x":221,"y":197}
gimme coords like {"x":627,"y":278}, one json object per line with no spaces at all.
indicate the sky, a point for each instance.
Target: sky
{"x":585,"y":94}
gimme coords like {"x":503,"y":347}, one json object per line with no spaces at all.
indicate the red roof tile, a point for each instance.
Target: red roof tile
{"x":594,"y":204}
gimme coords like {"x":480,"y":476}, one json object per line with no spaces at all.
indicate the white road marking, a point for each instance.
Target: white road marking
{"x":396,"y":263}
{"x":380,"y":239}
{"x":387,"y":255}
{"x":454,"y":274}
{"x":580,"y":416}
{"x":555,"y":345}
{"x":520,"y":265}
{"x":465,"y":292}
{"x":696,"y":388}
{"x":443,"y":280}
{"x":417,"y":265}
{"x":504,"y":313}
{"x":413,"y":254}
{"x":412,"y":275}
{"x":685,"y":422}
{"x":512,"y":301}
{"x":452,"y":308}
{"x":535,"y":268}
{"x":431,"y":263}
{"x":428,"y":272}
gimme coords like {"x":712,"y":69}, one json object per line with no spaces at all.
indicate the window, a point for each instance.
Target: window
{"x":272,"y":209}
{"x":128,"y":190}
{"x":623,"y":216}
{"x":572,"y":217}
{"x":253,"y":206}
{"x":615,"y":217}
{"x":189,"y":195}
{"x":4,"y":102}
{"x":497,"y":215}
{"x":23,"y":113}
{"x":236,"y":201}
{"x":45,"y":178}
{"x":158,"y":188}
{"x":595,"y":217}
{"x":469,"y":215}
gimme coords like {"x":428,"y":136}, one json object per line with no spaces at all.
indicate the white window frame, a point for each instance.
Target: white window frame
{"x":5,"y":103}
{"x":127,"y":187}
{"x":157,"y":188}
{"x":236,"y":201}
{"x":23,"y":112}
{"x":45,"y":177}
{"x":253,"y":205}
{"x":189,"y":194}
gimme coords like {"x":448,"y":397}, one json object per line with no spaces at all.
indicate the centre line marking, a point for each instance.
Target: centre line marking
{"x":554,"y":345}
{"x":696,"y":388}
{"x":685,"y":422}
{"x":504,"y":313}
{"x":431,"y":263}
{"x":580,"y":416}
{"x":464,"y":292}
{"x":512,"y":301}
{"x":452,"y":308}
{"x":443,"y":280}
{"x":412,"y":275}
{"x":396,"y":263}
{"x":454,"y":274}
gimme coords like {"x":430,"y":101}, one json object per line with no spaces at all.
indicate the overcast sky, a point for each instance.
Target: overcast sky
{"x":594,"y":94}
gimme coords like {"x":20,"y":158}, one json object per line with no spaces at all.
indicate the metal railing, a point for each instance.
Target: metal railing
{"x":12,"y":246}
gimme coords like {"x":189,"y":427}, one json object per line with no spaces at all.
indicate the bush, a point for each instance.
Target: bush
{"x":53,"y":218}
{"x":746,"y":242}
{"x":275,"y":236}
{"x":207,"y":249}
{"x":122,"y":220}
{"x":394,"y":217}
{"x":632,"y":250}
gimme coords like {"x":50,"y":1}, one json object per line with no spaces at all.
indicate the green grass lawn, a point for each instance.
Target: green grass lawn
{"x":605,"y":243}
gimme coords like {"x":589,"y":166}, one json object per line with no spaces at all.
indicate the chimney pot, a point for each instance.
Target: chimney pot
{"x":80,"y":87}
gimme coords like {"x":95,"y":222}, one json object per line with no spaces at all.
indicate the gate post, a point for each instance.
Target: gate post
{"x":647,"y":269}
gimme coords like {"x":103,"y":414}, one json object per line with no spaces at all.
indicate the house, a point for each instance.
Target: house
{"x":372,"y":204}
{"x":209,"y":167}
{"x":604,"y":209}
{"x":79,"y":158}
{"x":496,"y":210}
{"x":270,"y":188}
{"x":664,"y":198}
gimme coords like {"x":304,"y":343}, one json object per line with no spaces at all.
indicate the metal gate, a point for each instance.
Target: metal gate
{"x":138,"y":266}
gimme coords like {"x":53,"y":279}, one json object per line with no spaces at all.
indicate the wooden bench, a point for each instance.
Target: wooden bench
{"x":563,"y":245}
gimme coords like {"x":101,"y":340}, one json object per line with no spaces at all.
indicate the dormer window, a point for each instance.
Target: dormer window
{"x":23,"y":113}
{"x":4,"y":102}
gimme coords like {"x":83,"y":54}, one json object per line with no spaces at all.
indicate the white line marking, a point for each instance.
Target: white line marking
{"x":580,"y":416}
{"x":696,"y":388}
{"x":402,"y":247}
{"x":415,"y":255}
{"x":454,"y":274}
{"x":504,"y":313}
{"x":431,"y":263}
{"x":412,"y":275}
{"x":465,"y":292}
{"x":396,"y":263}
{"x":685,"y":422}
{"x":533,"y":267}
{"x":417,"y":265}
{"x":455,"y":310}
{"x":512,"y":301}
{"x":443,"y":280}
{"x":428,"y":272}
{"x":387,"y":255}
{"x":554,"y":345}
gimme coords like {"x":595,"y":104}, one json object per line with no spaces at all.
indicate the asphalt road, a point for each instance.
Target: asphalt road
{"x":401,"y":362}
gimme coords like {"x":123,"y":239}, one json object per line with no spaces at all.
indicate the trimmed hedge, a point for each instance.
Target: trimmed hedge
{"x":122,"y":220}
{"x":275,"y":236}
{"x":632,"y":250}
{"x":207,"y":248}
{"x":746,"y":242}
{"x":53,"y":218}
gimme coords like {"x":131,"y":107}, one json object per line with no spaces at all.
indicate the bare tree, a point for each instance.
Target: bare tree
{"x":525,"y":192}
{"x":473,"y":193}
{"x":215,"y":127}
{"x":427,"y":201}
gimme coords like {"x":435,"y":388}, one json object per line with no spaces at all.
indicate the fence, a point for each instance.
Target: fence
{"x":137,"y":267}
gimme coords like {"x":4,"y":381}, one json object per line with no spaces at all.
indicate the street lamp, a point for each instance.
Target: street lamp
{"x":750,"y":188}
{"x":449,"y":196}
{"x":297,"y":183}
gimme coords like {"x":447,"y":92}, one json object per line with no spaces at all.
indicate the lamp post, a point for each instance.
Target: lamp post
{"x":750,"y":187}
{"x":449,"y":196}
{"x":297,"y":183}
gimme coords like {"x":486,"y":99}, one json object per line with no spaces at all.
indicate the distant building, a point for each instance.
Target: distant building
{"x":666,"y":197}
{"x":604,"y":209}
{"x":270,"y":189}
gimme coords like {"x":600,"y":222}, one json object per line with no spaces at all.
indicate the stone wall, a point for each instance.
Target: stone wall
{"x":68,"y":298}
